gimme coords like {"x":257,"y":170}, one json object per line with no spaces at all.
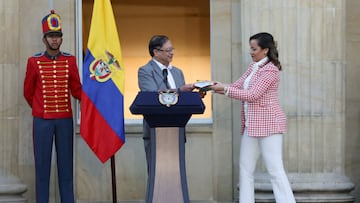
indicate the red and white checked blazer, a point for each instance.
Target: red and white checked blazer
{"x":265,"y":116}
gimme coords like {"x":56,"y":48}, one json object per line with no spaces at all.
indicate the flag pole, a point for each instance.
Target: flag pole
{"x":113,"y":178}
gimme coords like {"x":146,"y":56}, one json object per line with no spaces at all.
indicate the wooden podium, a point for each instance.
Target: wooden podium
{"x":167,"y":177}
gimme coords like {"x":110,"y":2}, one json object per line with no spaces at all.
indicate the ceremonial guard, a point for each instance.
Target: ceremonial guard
{"x":51,"y":77}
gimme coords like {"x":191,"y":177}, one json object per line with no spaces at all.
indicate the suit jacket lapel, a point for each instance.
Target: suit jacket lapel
{"x":174,"y":72}
{"x":156,"y":70}
{"x":176,"y":76}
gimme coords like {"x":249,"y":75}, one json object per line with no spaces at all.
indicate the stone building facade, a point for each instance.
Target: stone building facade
{"x":318,"y":42}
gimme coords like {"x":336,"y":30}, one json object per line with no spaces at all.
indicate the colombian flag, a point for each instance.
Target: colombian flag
{"x":102,"y":101}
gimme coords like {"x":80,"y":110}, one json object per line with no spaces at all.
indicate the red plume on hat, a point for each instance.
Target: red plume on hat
{"x":51,"y":23}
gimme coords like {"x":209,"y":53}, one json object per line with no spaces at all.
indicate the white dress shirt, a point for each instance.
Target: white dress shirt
{"x":170,"y":77}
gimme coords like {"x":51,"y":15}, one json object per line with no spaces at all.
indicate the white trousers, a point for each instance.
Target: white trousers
{"x":270,"y":148}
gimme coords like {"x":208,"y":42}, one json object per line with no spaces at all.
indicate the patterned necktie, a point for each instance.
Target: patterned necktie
{"x":165,"y":74}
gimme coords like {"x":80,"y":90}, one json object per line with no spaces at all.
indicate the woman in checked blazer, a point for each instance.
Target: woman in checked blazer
{"x":263,"y":120}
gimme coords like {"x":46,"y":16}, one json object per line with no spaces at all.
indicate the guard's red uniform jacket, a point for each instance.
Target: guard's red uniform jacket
{"x":48,"y":84}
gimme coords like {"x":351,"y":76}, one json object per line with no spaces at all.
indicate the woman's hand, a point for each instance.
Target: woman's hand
{"x":218,"y":87}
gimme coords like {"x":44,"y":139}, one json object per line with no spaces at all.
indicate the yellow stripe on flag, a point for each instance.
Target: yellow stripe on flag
{"x":104,"y":36}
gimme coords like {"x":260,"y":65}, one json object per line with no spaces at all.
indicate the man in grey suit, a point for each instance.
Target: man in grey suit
{"x":159,"y":74}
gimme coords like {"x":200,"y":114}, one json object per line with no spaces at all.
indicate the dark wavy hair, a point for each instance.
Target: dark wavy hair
{"x":156,"y":42}
{"x":266,"y":40}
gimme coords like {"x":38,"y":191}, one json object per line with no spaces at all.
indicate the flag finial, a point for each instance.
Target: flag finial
{"x":51,"y":5}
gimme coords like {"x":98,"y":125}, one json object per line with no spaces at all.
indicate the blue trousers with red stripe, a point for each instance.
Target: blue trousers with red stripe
{"x":45,"y":132}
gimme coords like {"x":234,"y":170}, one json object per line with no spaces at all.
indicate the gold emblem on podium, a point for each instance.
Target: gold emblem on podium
{"x":168,"y":97}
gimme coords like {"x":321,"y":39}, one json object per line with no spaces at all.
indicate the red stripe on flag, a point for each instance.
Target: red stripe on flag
{"x":103,"y":141}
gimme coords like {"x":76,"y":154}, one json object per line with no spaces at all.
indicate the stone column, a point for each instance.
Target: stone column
{"x":222,"y":133}
{"x":11,"y":189}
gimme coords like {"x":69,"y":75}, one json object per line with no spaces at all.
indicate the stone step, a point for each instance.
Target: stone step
{"x":309,"y":188}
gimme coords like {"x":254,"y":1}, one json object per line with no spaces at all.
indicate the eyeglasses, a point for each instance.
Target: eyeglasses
{"x":169,"y":50}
